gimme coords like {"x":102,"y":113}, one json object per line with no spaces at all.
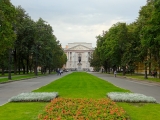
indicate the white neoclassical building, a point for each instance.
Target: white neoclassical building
{"x":78,"y":55}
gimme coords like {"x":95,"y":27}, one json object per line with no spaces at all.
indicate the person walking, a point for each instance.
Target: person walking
{"x":60,"y":71}
{"x":115,"y":73}
{"x":57,"y":71}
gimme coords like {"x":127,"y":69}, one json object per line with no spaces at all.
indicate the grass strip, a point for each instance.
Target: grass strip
{"x":81,"y":85}
{"x":21,"y":110}
{"x":20,"y":77}
{"x":141,"y":111}
{"x":140,"y":77}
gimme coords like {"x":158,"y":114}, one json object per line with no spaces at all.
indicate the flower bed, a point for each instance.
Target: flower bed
{"x":130,"y":97}
{"x":34,"y":96}
{"x":83,"y":109}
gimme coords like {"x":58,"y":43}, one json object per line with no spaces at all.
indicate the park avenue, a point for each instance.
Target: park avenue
{"x":7,"y":90}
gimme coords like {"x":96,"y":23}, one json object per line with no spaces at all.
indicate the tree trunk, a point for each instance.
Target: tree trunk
{"x":41,"y":70}
{"x":35,"y":70}
{"x":19,"y":67}
{"x":159,"y":70}
{"x":49,"y":70}
{"x":23,"y":66}
{"x":3,"y":70}
{"x":27,"y":66}
{"x":150,"y":65}
{"x":124,"y":70}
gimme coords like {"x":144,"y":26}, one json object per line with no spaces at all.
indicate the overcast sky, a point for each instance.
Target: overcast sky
{"x":81,"y":20}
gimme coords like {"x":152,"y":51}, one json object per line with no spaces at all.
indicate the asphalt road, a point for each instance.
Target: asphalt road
{"x":142,"y":87}
{"x":8,"y":90}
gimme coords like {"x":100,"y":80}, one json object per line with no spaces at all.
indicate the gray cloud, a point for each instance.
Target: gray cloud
{"x":81,"y":20}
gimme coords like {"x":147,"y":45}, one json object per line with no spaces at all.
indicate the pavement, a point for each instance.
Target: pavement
{"x":10,"y":89}
{"x":136,"y":86}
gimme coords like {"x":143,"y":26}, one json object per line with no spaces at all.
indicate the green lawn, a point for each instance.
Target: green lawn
{"x":140,"y":77}
{"x":19,"y":77}
{"x":80,"y":85}
{"x":142,"y":111}
{"x":21,"y":110}
{"x":77,"y":85}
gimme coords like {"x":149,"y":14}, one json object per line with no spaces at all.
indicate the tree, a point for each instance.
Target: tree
{"x":35,"y":44}
{"x":147,"y":34}
{"x":132,"y":51}
{"x":115,"y":46}
{"x":155,"y":29}
{"x":95,"y":60}
{"x":7,"y":21}
{"x":25,"y":35}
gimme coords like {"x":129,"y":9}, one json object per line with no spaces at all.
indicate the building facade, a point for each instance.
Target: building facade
{"x":78,"y":56}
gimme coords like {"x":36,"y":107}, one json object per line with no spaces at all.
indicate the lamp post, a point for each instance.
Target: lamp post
{"x":36,"y":73}
{"x":36,"y":65}
{"x":145,"y":75}
{"x":9,"y":64}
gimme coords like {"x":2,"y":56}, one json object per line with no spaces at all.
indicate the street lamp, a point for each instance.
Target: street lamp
{"x":145,"y":75}
{"x":36,"y":65}
{"x":36,"y":73}
{"x":9,"y":64}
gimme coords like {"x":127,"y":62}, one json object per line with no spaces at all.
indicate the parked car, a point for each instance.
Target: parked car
{"x":66,"y":70}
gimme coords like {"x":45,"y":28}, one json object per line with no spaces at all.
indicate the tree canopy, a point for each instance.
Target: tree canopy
{"x":7,"y":22}
{"x":124,"y":45}
{"x":32,"y":43}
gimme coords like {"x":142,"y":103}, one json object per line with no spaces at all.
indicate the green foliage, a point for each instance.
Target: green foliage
{"x":95,"y":60}
{"x":116,"y":48}
{"x":123,"y":46}
{"x":35,"y":44}
{"x":149,"y":18}
{"x":7,"y":20}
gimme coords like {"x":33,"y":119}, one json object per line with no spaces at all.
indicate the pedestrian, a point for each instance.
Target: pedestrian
{"x":102,"y":70}
{"x":115,"y":73}
{"x":57,"y":71}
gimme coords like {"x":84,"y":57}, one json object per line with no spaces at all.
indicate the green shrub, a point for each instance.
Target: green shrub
{"x":130,"y":97}
{"x":34,"y":96}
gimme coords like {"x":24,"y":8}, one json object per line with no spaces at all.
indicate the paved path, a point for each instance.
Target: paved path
{"x":136,"y":86}
{"x":10,"y":89}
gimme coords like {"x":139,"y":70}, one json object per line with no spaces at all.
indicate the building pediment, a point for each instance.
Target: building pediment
{"x":79,"y":47}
